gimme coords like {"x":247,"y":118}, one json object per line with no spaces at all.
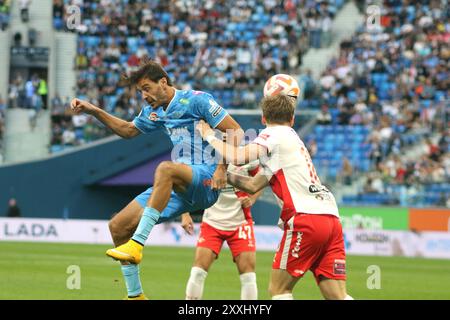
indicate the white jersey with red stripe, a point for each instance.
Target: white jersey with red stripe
{"x":292,"y":175}
{"x":227,"y":213}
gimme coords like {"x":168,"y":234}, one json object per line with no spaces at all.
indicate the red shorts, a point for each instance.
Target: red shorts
{"x":240,"y":240}
{"x":312,"y":242}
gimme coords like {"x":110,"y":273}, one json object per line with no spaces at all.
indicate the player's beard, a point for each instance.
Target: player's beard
{"x":161,"y":99}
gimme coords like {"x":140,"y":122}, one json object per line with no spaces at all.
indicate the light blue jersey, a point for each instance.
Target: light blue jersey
{"x":178,"y":121}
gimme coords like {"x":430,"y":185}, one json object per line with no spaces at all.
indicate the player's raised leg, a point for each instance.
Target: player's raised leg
{"x":246,"y":262}
{"x":168,"y":176}
{"x":204,"y":258}
{"x":123,"y":224}
{"x":122,"y":227}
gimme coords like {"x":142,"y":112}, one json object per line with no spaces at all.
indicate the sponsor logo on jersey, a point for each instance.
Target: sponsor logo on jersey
{"x":179,"y":132}
{"x":315,"y":189}
{"x":264,"y":136}
{"x":177,"y":114}
{"x":339,"y":267}
{"x":153,"y":116}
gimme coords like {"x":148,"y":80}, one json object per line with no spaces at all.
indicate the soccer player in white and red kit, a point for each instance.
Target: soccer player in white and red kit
{"x":313,"y":238}
{"x":230,"y":220}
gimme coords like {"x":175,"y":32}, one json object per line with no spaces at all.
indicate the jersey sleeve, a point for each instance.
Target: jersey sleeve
{"x":270,"y":163}
{"x":209,"y":110}
{"x":266,"y":140}
{"x":144,"y":123}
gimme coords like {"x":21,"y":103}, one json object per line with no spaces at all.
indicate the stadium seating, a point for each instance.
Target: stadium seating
{"x":225,"y":48}
{"x":379,"y":103}
{"x":398,"y":99}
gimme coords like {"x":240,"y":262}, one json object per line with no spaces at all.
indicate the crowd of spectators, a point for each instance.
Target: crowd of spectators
{"x":5,"y":7}
{"x":224,"y":47}
{"x":31,"y":93}
{"x":398,"y":175}
{"x":395,"y":81}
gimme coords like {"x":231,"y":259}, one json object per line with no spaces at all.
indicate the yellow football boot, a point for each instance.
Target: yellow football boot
{"x":130,"y":252}
{"x":139,"y":297}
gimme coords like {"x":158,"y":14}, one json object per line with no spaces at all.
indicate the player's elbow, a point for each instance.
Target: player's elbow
{"x":128,"y":131}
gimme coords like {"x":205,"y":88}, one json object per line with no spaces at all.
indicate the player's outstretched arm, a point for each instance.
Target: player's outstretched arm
{"x":231,"y":154}
{"x":234,"y":135}
{"x":120,"y":127}
{"x":248,"y":184}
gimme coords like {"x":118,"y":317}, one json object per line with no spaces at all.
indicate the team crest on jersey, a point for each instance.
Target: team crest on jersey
{"x":153,"y":116}
{"x":184,"y":101}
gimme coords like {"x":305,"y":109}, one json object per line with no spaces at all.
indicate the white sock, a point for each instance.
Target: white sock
{"x":249,"y":289}
{"x":348,"y":298}
{"x":286,"y":296}
{"x":194,"y":288}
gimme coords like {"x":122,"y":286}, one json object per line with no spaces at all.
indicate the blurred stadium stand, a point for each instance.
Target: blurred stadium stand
{"x":375,"y":120}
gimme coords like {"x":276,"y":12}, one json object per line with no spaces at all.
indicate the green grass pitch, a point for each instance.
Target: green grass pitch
{"x":39,"y":271}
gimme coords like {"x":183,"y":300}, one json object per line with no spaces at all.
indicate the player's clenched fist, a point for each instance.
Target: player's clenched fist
{"x":80,"y":106}
{"x":247,"y":202}
{"x":187,"y":223}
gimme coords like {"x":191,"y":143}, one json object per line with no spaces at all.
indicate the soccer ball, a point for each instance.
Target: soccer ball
{"x":281,"y":83}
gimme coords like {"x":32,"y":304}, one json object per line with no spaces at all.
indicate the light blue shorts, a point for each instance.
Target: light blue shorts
{"x":198,"y":196}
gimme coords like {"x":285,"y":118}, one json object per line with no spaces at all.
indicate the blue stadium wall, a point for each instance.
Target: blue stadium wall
{"x":67,"y":185}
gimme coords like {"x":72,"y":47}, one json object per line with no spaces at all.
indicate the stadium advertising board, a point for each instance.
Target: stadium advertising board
{"x":429,"y":219}
{"x":54,"y":230}
{"x":357,"y":242}
{"x":382,"y":218}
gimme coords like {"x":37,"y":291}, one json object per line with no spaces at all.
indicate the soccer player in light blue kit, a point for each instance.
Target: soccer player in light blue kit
{"x":188,"y":183}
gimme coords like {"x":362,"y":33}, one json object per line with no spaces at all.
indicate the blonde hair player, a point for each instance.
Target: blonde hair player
{"x":312,"y":238}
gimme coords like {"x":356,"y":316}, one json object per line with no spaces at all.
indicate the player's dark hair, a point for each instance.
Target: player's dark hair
{"x":278,"y":109}
{"x":148,"y":69}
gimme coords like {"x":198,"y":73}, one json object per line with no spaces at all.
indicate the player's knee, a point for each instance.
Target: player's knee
{"x":277,"y":289}
{"x":247,"y":266}
{"x":166,"y":168}
{"x":116,"y":229}
{"x":202,"y":264}
{"x":273,"y":290}
{"x":113,"y":226}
